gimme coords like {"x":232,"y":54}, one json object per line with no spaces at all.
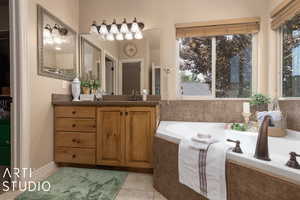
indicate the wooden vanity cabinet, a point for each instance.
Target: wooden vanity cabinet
{"x":140,"y":128}
{"x":75,"y":134}
{"x":105,"y":135}
{"x":110,"y":136}
{"x":124,"y":136}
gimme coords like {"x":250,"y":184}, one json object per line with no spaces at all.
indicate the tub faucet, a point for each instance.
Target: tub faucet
{"x":262,"y":149}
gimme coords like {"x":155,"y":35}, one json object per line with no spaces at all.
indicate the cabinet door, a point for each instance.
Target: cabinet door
{"x":139,"y":136}
{"x":110,"y":137}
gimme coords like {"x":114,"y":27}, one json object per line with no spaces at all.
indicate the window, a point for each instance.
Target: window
{"x":216,"y":66}
{"x":291,"y":58}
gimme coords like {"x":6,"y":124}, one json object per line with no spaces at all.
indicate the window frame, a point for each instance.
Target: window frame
{"x":254,"y":82}
{"x":279,"y":35}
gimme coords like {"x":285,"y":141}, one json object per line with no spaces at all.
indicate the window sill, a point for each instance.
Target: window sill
{"x":202,"y":98}
{"x":288,"y":98}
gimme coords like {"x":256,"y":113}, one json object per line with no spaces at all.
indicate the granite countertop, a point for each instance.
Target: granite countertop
{"x":64,"y":100}
{"x":105,"y":103}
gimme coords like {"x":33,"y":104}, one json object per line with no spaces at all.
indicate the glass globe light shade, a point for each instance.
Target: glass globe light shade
{"x":110,"y":37}
{"x":128,"y":36}
{"x":94,"y":29}
{"x":138,"y":35}
{"x":119,"y":36}
{"x":124,"y":28}
{"x":135,"y":27}
{"x":114,"y":28}
{"x":103,"y":29}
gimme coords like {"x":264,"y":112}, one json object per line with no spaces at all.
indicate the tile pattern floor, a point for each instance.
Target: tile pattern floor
{"x":136,"y":187}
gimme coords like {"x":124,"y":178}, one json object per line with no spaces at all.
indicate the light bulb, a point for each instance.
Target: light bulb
{"x":138,"y":35}
{"x":94,"y":29}
{"x":128,"y":36}
{"x":110,"y":37}
{"x":58,"y":48}
{"x":55,"y":31}
{"x":119,"y":36}
{"x":47,"y":32}
{"x":103,"y":29}
{"x":114,"y":28}
{"x":135,"y":27}
{"x":57,"y":40}
{"x":124,"y":28}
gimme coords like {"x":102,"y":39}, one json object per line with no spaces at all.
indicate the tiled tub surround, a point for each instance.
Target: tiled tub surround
{"x":220,"y":111}
{"x":292,"y":108}
{"x":202,"y":110}
{"x":249,"y":179}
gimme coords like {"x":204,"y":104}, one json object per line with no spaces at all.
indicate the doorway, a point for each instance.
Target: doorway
{"x":131,"y":78}
{"x":5,"y":94}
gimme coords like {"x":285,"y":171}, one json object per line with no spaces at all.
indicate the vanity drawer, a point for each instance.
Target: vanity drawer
{"x":70,"y":124}
{"x":75,"y":111}
{"x":73,"y":139}
{"x":75,"y":155}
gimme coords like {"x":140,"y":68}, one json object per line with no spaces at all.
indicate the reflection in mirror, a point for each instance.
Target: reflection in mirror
{"x":128,"y":66}
{"x":57,"y":47}
{"x":110,"y":65}
{"x":90,"y":61}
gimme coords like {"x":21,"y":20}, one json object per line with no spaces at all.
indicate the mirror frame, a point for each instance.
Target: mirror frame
{"x":40,"y":18}
{"x":81,"y":57}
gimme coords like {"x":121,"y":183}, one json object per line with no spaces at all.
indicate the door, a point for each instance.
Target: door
{"x":139,"y":136}
{"x":110,"y":136}
{"x":131,"y":78}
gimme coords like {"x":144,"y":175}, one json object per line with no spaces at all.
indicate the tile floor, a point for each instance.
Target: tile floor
{"x":136,"y":187}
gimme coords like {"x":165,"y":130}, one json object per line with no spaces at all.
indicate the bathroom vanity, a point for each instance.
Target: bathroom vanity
{"x":109,"y":133}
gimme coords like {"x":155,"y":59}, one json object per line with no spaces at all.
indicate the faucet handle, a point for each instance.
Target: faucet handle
{"x":293,"y":163}
{"x":237,"y":148}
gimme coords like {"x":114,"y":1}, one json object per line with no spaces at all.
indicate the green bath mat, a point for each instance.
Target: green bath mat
{"x":80,"y":184}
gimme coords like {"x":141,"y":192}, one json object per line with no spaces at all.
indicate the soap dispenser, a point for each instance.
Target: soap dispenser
{"x":144,"y":94}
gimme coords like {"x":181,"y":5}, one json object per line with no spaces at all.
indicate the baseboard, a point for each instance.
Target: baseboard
{"x":44,"y":171}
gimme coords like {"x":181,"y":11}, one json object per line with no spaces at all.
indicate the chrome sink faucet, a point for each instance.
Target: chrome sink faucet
{"x":262,"y":149}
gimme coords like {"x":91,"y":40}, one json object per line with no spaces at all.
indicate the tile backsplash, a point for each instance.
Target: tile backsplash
{"x":220,"y":111}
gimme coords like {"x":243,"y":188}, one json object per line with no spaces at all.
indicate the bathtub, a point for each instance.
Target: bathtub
{"x":279,"y":148}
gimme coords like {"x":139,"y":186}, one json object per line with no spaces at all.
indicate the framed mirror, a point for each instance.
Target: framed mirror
{"x":57,"y":47}
{"x":90,"y":62}
{"x":126,"y":66}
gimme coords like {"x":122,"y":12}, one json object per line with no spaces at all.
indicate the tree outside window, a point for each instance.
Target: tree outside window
{"x":291,"y":58}
{"x":233,"y":66}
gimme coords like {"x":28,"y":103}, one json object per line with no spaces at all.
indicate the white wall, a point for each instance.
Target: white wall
{"x":41,"y":110}
{"x":164,"y":14}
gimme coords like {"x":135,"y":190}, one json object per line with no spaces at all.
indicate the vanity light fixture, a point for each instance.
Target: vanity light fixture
{"x":54,"y":35}
{"x":116,"y":31}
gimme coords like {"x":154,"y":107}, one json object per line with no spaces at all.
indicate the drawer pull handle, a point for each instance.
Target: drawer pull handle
{"x":78,"y":141}
{"x":73,"y":140}
{"x":126,"y":113}
{"x":73,"y":156}
{"x":73,"y":125}
{"x":74,"y":112}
